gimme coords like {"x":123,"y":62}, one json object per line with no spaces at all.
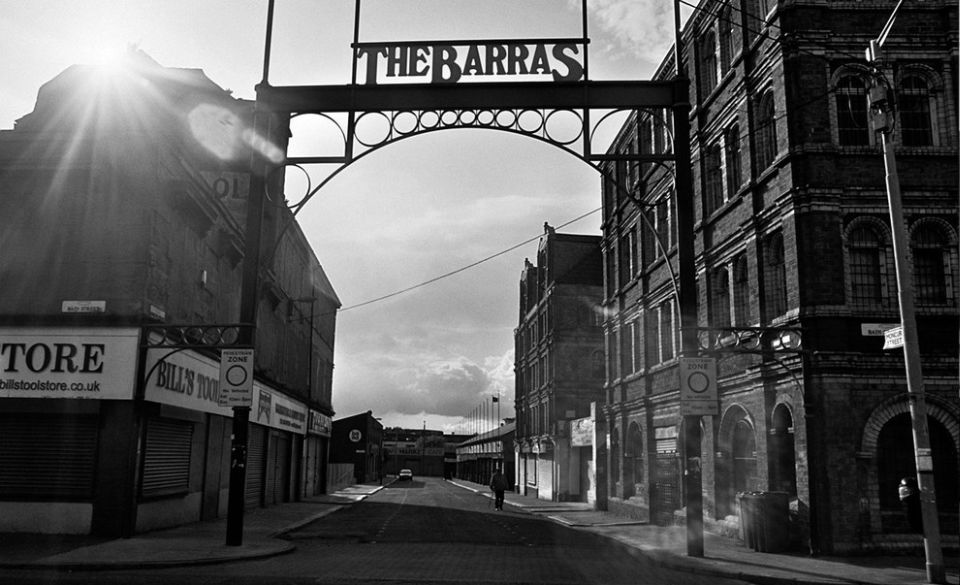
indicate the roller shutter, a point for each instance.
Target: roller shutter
{"x":256,"y":465}
{"x":47,"y":457}
{"x":281,"y":467}
{"x":166,"y":460}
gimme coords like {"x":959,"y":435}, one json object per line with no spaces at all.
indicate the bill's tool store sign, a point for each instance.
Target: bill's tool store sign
{"x":68,"y":363}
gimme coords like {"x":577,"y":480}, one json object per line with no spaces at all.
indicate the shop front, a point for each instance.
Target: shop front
{"x":88,"y":450}
{"x":66,"y":418}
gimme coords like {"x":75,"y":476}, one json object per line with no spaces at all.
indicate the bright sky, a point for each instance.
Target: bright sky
{"x":403,"y":215}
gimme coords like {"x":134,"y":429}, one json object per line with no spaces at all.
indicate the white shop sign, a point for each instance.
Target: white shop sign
{"x":275,"y":410}
{"x":185,"y":379}
{"x":68,"y":362}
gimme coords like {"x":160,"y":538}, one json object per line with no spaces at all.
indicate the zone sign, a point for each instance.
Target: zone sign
{"x":698,"y":387}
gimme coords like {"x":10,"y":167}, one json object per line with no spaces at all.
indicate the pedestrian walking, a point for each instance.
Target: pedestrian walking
{"x":499,"y":484}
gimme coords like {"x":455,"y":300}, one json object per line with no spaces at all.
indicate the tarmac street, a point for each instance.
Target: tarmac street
{"x":430,"y":531}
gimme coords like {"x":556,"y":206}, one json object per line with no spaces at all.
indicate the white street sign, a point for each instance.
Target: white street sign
{"x":875,"y":329}
{"x":236,"y":377}
{"x":698,"y":387}
{"x":893,"y":338}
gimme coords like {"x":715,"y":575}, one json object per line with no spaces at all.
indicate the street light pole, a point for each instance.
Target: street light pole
{"x":882,"y":123}
{"x":249,"y":298}
{"x":686,"y":269}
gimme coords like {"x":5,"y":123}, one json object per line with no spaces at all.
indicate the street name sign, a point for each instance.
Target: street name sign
{"x":236,"y":377}
{"x":893,"y":338}
{"x":698,"y":387}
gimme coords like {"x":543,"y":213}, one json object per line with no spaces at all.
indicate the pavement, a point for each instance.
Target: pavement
{"x":204,"y":543}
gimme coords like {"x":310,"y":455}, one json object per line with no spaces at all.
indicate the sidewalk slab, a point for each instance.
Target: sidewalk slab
{"x":192,"y":544}
{"x":723,"y":557}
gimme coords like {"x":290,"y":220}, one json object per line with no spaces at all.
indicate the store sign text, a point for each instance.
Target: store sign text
{"x":68,"y":362}
{"x":85,"y":358}
{"x":455,"y":62}
{"x":183,"y":380}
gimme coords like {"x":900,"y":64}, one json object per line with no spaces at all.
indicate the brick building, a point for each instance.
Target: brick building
{"x":359,"y":440}
{"x":479,"y":456}
{"x":791,"y":231}
{"x":116,"y":218}
{"x":558,"y":365}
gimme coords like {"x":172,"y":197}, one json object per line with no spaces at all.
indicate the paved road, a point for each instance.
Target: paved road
{"x":420,"y":532}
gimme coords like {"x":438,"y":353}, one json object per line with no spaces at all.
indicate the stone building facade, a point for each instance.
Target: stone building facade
{"x":123,"y":209}
{"x":791,"y":233}
{"x":558,"y":365}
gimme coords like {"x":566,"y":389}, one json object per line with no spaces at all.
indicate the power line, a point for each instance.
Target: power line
{"x":464,"y":268}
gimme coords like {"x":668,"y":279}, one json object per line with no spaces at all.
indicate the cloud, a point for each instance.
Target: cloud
{"x":644,"y":27}
{"x":412,"y":382}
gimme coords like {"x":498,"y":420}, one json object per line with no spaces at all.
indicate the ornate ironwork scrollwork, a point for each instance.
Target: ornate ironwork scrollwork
{"x":750,"y":339}
{"x":193,"y":336}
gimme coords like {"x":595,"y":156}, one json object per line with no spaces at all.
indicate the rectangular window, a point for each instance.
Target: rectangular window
{"x":666,"y":331}
{"x":741,"y":291}
{"x":713,"y":178}
{"x":626,"y":350}
{"x":663,"y":224}
{"x":611,"y":272}
{"x":734,"y":166}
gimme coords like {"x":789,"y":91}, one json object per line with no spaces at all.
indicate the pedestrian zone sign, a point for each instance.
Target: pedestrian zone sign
{"x":698,"y":387}
{"x":236,"y":377}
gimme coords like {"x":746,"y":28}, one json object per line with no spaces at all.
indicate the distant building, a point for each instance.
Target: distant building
{"x":358,"y":440}
{"x":115,"y":218}
{"x":559,"y":365}
{"x":478,"y":456}
{"x":421,"y":450}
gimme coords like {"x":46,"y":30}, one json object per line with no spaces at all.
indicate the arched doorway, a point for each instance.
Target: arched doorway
{"x":736,"y":464}
{"x":783,"y":458}
{"x":744,"y":454}
{"x":895,"y":460}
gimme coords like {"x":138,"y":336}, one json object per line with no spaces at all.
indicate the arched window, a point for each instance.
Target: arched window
{"x":766,"y":144}
{"x":708,"y":63}
{"x":851,"y":100}
{"x":774,"y":277}
{"x":864,"y":253}
{"x":713,"y":178}
{"x":913,"y":103}
{"x":731,"y":141}
{"x":719,"y":290}
{"x":930,"y":253}
{"x":725,"y":28}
